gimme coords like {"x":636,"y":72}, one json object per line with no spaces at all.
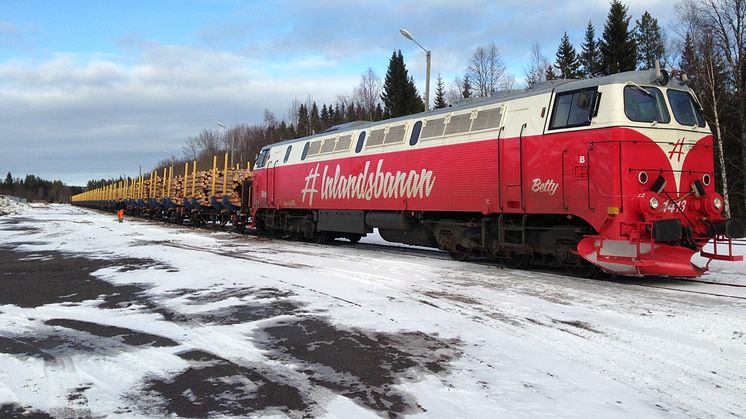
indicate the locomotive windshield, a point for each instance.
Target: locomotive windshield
{"x":685,"y":109}
{"x":645,"y":104}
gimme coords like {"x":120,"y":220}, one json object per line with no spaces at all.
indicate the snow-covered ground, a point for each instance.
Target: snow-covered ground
{"x":99,"y":318}
{"x":12,"y":206}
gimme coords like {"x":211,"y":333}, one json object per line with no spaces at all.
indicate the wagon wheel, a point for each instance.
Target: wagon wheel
{"x":321,"y":238}
{"x":354,"y":238}
{"x":459,"y":255}
{"x":516,"y":261}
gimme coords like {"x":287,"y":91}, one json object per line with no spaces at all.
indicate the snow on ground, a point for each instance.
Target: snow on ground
{"x":99,"y":318}
{"x":12,"y":206}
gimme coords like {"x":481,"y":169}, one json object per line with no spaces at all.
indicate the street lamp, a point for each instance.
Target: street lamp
{"x":428,"y":56}
{"x":225,"y":134}
{"x":166,"y":153}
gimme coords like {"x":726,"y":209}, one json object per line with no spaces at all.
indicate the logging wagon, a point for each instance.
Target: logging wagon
{"x":612,"y":173}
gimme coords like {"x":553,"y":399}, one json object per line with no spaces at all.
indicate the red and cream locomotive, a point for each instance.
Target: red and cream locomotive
{"x":614,"y":172}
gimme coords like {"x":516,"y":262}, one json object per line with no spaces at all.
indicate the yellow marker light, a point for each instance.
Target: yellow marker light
{"x":612,"y":210}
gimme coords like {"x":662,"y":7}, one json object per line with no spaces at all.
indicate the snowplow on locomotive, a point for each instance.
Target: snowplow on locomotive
{"x":613,"y":173}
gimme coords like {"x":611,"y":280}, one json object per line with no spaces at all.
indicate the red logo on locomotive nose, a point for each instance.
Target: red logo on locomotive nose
{"x":678,"y":150}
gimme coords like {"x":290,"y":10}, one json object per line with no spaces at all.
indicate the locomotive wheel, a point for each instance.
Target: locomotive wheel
{"x":584,"y":270}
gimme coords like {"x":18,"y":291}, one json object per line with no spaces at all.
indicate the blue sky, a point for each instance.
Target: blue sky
{"x":92,"y":89}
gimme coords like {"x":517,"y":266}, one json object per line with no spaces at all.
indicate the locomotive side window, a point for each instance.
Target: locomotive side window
{"x":574,"y":109}
{"x":343,"y":143}
{"x":487,"y":119}
{"x":314,"y":148}
{"x":287,"y":154}
{"x":305,"y":151}
{"x":261,"y":160}
{"x":645,"y":104}
{"x":360,"y":142}
{"x":376,"y":137}
{"x":415,"y":136}
{"x":433,"y":128}
{"x":395,"y":135}
{"x":685,"y":110}
{"x":328,"y":145}
{"x":458,"y":124}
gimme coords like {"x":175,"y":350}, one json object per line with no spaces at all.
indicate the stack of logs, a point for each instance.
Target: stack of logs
{"x":200,"y":186}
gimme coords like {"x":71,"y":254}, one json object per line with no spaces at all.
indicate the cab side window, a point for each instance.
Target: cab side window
{"x":261,"y":159}
{"x":574,"y":109}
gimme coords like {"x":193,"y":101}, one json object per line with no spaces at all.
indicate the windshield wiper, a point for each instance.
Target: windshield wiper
{"x":640,"y":88}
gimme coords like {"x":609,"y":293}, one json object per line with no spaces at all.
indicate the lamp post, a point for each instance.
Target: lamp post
{"x":225,"y":134}
{"x":172,"y":156}
{"x":408,"y":35}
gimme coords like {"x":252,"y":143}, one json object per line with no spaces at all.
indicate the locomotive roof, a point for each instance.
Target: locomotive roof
{"x":641,"y":77}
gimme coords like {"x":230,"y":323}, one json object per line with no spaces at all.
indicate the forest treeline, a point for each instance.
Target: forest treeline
{"x":35,"y":189}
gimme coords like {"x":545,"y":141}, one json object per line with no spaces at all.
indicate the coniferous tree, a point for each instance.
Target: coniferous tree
{"x":549,"y":73}
{"x":303,"y":127}
{"x":567,"y":59}
{"x":378,"y":115}
{"x":325,"y":117}
{"x":440,"y":94}
{"x":339,"y":114}
{"x":650,"y":46}
{"x":618,"y":46}
{"x":315,"y":120}
{"x":352,"y":112}
{"x":590,"y":55}
{"x":9,"y":180}
{"x":466,"y":88}
{"x":399,"y":92}
{"x":689,"y":61}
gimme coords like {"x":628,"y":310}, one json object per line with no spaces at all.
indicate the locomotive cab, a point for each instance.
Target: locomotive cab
{"x":668,"y":206}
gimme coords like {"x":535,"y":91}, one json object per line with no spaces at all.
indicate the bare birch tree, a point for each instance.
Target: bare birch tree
{"x":536,"y":71}
{"x":486,"y":69}
{"x":726,"y":19}
{"x":368,"y":93}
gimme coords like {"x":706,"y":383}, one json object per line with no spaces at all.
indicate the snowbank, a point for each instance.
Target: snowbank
{"x":10,"y":205}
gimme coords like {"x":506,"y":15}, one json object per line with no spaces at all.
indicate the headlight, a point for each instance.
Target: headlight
{"x":717,"y":202}
{"x":655,"y":203}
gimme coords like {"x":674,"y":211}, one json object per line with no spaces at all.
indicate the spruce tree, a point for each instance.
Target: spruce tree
{"x":567,"y":59}
{"x":549,"y":73}
{"x":9,"y":180}
{"x":304,"y":127}
{"x":352,"y":111}
{"x":590,"y":56}
{"x":315,"y":119}
{"x":618,"y":47}
{"x":326,"y":118}
{"x":689,"y":61}
{"x":440,"y":94}
{"x":378,"y":114}
{"x":400,"y":95}
{"x":466,"y":88}
{"x":650,"y":46}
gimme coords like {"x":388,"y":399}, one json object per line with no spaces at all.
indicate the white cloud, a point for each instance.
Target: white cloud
{"x":69,"y":110}
{"x":72,"y":114}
